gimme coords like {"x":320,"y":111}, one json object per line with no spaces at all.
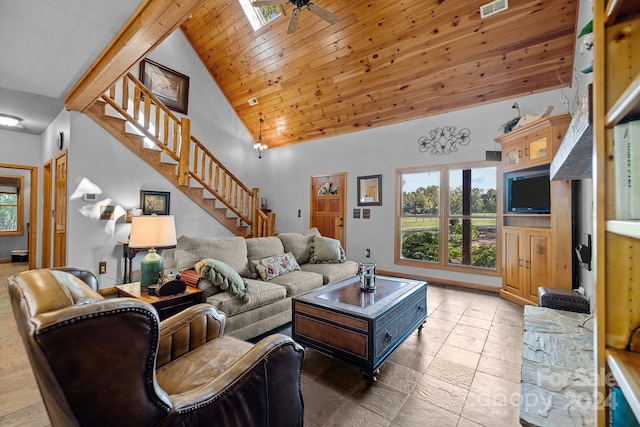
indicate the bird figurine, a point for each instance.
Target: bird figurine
{"x":508,"y":127}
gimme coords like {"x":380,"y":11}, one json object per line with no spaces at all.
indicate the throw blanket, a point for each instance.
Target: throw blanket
{"x":221,"y":274}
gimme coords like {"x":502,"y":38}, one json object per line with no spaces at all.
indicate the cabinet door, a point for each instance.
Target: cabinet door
{"x":513,"y":156}
{"x":538,"y":148}
{"x":538,"y":262}
{"x":513,"y":280}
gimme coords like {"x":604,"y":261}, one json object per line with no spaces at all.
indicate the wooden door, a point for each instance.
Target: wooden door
{"x":538,"y":264}
{"x":513,"y":280}
{"x":328,"y":196}
{"x":60,"y":209}
{"x":45,"y":260}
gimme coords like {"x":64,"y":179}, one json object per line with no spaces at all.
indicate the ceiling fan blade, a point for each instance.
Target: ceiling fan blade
{"x":323,"y":13}
{"x":293,"y":22}
{"x":261,"y":3}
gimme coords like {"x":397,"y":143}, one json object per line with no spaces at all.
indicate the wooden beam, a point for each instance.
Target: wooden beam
{"x":151,"y":23}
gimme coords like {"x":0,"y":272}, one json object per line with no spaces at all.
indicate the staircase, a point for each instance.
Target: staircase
{"x":136,"y":118}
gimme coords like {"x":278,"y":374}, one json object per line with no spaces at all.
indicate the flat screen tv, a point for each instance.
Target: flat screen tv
{"x":529,"y":193}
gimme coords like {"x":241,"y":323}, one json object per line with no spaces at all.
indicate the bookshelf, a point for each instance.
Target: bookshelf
{"x":616,"y":98}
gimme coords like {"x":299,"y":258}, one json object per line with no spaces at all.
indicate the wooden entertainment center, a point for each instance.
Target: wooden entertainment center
{"x":537,"y":248}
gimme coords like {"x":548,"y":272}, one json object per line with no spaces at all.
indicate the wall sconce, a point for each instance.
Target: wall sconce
{"x":259,"y":146}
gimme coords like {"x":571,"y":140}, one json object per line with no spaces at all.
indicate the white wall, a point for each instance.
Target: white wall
{"x":382,"y":151}
{"x":120,"y":175}
{"x":18,"y":149}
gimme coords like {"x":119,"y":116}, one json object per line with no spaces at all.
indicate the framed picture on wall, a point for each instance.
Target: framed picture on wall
{"x":370,"y":190}
{"x":154,"y":202}
{"x":169,"y":86}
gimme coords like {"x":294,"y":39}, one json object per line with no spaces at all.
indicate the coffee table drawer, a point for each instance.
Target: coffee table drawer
{"x":399,"y":322}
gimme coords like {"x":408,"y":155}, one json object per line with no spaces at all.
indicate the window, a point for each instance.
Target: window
{"x":260,"y":16}
{"x":11,"y":205}
{"x":448,"y":217}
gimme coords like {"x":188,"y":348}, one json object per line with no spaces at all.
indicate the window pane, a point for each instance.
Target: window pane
{"x":482,"y":183}
{"x":479,"y":247}
{"x":419,"y":221}
{"x":8,"y":218}
{"x":8,"y":199}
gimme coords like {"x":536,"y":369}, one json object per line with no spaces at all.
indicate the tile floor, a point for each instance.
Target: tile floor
{"x":462,"y":370}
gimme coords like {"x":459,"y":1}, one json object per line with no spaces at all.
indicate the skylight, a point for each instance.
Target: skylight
{"x":260,"y":16}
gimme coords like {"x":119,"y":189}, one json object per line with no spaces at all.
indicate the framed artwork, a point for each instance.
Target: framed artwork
{"x":154,"y":202}
{"x":169,"y":86}
{"x":370,"y":190}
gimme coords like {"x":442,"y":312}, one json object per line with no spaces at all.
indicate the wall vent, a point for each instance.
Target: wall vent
{"x":493,"y":8}
{"x":253,"y":101}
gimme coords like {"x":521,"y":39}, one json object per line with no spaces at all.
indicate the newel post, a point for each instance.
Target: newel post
{"x":185,"y":147}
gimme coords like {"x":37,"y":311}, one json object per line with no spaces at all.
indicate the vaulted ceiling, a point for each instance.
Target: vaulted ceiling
{"x":383,"y":62}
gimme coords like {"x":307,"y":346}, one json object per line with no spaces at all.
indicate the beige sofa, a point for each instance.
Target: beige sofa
{"x":270,"y":300}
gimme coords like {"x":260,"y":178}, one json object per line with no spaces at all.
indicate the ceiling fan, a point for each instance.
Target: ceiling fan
{"x":293,"y":22}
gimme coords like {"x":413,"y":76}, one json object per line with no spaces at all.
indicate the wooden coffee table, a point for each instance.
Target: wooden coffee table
{"x":362,"y":328}
{"x":165,"y":306}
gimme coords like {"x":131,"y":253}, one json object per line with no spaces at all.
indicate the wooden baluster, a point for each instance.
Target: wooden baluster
{"x":165,"y":137}
{"x":157,"y":125}
{"x":147,"y":111}
{"x":125,"y":93}
{"x":185,"y":146}
{"x":216,"y":185}
{"x":210,"y":177}
{"x":136,"y":103}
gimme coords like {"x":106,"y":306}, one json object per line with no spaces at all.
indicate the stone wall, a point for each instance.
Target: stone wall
{"x":557,"y":369}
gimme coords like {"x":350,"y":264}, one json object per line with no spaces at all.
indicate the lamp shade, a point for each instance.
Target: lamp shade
{"x":152,"y":231}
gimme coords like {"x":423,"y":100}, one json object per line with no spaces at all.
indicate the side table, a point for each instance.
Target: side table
{"x":167,"y":305}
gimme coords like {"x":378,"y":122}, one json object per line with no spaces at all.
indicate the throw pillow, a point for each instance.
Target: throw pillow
{"x":274,"y":266}
{"x":298,"y":244}
{"x":325,"y":250}
{"x":221,"y":274}
{"x":190,"y":277}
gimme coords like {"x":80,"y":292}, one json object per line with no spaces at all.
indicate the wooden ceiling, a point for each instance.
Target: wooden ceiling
{"x":383,"y":62}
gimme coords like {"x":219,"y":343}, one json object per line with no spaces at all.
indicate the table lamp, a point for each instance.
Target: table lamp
{"x":152,"y":231}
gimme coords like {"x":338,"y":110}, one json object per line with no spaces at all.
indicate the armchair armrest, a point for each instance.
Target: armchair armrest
{"x":187,"y":330}
{"x":261,"y":388}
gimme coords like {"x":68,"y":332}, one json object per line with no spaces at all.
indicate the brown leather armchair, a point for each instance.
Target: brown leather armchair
{"x":108,"y":362}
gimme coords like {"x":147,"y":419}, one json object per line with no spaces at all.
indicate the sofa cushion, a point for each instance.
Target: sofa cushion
{"x":298,"y":244}
{"x":333,"y":272}
{"x":208,"y":288}
{"x":262,"y":293}
{"x":298,"y":282}
{"x":258,"y":248}
{"x":274,"y":266}
{"x":326,"y":250}
{"x":230,"y":250}
{"x":196,"y":368}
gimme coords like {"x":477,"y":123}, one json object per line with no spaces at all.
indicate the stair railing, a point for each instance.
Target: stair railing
{"x":160,"y":127}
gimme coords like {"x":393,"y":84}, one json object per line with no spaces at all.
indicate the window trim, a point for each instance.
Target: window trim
{"x":20,"y":205}
{"x":444,"y":212}
{"x":254,"y":17}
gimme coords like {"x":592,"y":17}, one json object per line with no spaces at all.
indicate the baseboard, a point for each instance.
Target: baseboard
{"x":466,"y":285}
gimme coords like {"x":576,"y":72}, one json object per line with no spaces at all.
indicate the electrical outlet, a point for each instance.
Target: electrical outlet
{"x":367,"y":253}
{"x":102,"y":267}
{"x":299,"y":213}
